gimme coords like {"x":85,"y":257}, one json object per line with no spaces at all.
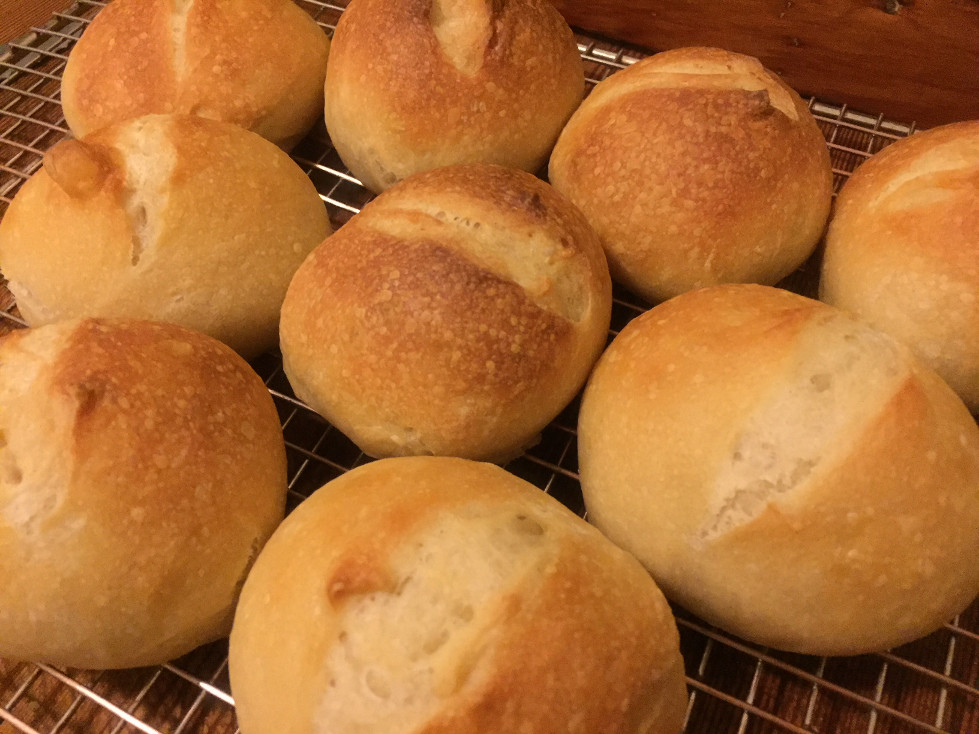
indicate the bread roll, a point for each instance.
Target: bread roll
{"x":784,"y":471}
{"x":259,"y":64}
{"x":696,"y":167}
{"x":457,"y":314}
{"x":423,"y":595}
{"x":166,"y":218}
{"x":141,"y":469}
{"x":902,"y":250}
{"x":418,"y":84}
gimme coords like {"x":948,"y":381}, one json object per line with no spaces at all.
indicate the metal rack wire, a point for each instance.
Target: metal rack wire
{"x":734,"y":687}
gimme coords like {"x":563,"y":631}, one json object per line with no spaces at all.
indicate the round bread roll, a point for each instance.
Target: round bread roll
{"x":141,"y":470}
{"x":784,"y":471}
{"x":902,"y":250}
{"x":696,"y":167}
{"x":457,"y":314}
{"x":259,"y":64}
{"x":168,"y":218}
{"x":443,"y":595}
{"x":418,"y":84}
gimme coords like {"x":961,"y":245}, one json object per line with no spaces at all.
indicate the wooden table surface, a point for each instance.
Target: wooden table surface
{"x":17,"y":16}
{"x":908,"y":59}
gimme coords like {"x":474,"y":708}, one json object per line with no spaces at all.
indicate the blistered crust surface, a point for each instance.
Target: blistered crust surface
{"x":456,"y":326}
{"x":438,"y":595}
{"x":170,"y":218}
{"x":784,"y":471}
{"x":260,"y":65}
{"x":903,"y":250}
{"x":417,"y":85}
{"x":696,"y":167}
{"x":126,"y":531}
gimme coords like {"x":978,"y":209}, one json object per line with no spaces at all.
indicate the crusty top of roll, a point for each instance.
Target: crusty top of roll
{"x":696,"y":166}
{"x":434,"y":595}
{"x":902,"y":249}
{"x":141,"y":469}
{"x":417,"y":84}
{"x":784,"y":470}
{"x":165,"y":217}
{"x":257,"y":63}
{"x":457,"y":314}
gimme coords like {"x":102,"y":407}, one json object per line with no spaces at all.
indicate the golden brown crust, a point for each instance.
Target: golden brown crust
{"x":129,"y":529}
{"x":396,"y":103}
{"x":902,"y":249}
{"x":168,"y":218}
{"x":572,"y":614}
{"x":696,"y":167}
{"x":784,"y":471}
{"x":498,"y":211}
{"x":436,"y":298}
{"x":456,"y":314}
{"x":259,"y":65}
{"x":580,"y":579}
{"x":79,"y":169}
{"x":891,"y":530}
{"x":112,"y":57}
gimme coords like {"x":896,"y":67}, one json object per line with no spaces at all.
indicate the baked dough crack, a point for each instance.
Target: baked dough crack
{"x":149,"y":169}
{"x":932,"y":177}
{"x":558,"y":288}
{"x":464,"y":30}
{"x":178,"y":37}
{"x":747,"y":76}
{"x":801,"y":429}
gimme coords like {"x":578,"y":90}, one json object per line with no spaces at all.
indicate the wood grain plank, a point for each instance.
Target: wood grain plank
{"x":916,"y":60}
{"x":17,"y":16}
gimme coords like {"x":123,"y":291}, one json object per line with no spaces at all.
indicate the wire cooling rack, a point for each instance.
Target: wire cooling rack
{"x":734,"y":687}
